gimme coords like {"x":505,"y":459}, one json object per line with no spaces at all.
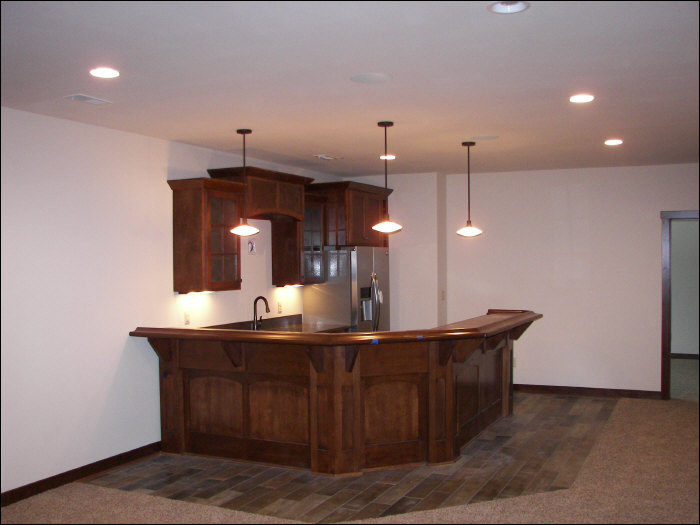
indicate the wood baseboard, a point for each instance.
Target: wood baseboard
{"x":585,"y":391}
{"x":20,"y":493}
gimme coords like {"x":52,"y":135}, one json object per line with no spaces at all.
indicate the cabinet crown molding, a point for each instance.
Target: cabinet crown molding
{"x":236,"y":175}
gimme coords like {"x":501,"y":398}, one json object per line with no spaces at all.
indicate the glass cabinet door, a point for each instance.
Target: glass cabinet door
{"x":313,"y":242}
{"x":224,"y":247}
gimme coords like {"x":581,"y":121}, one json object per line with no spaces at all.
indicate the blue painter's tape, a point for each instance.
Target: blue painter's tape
{"x":374,"y":342}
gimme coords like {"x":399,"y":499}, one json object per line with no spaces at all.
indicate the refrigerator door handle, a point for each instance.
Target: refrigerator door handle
{"x":375,"y":302}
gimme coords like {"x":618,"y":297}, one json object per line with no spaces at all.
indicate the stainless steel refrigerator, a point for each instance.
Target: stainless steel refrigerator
{"x":356,"y":292}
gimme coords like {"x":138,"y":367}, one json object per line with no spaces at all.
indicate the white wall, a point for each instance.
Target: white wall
{"x":583,"y":248}
{"x":86,"y":258}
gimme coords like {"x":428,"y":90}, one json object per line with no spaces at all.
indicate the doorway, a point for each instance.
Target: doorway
{"x":679,"y":317}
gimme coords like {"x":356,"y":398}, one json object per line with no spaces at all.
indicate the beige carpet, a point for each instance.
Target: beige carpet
{"x":643,"y":469}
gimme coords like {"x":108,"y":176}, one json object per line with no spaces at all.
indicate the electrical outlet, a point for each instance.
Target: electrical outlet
{"x":279,"y":308}
{"x":187,"y":318}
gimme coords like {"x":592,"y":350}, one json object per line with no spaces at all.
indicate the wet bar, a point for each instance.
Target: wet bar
{"x":336,"y":403}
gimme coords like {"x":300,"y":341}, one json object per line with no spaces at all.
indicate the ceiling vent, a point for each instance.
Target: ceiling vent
{"x":89,"y":100}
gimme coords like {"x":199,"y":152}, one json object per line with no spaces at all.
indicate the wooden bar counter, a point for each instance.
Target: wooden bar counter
{"x":335,"y":403}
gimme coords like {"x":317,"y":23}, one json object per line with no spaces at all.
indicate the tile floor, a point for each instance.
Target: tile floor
{"x":540,"y":448}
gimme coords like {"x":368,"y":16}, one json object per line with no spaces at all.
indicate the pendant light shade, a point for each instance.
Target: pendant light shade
{"x":244,"y":229}
{"x":386,"y":225}
{"x":468,"y":230}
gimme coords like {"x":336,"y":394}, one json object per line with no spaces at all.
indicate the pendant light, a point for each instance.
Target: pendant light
{"x":468,"y":230}
{"x":244,"y":229}
{"x":386,"y":225}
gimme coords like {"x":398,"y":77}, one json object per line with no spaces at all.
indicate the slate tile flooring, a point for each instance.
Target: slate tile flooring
{"x":540,"y":448}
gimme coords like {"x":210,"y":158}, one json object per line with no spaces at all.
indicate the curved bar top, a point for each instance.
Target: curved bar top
{"x":335,"y":403}
{"x":494,"y":322}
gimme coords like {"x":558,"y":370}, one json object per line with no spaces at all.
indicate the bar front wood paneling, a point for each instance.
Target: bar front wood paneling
{"x":335,"y":403}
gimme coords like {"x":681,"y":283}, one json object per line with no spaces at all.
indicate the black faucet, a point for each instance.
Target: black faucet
{"x":255,"y":310}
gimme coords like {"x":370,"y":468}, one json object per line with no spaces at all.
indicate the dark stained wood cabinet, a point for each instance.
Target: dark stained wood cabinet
{"x":304,"y":218}
{"x":297,"y":254}
{"x":279,"y":198}
{"x":314,"y":237}
{"x":268,"y":193}
{"x":206,"y":255}
{"x":335,"y":403}
{"x":286,"y":241}
{"x":365,"y":210}
{"x":352,"y":209}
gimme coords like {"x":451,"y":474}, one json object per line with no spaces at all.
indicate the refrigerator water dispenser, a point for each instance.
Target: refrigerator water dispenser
{"x":366,"y":303}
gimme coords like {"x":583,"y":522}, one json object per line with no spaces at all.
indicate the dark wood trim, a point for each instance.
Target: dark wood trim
{"x":236,"y":175}
{"x":666,"y":218}
{"x":683,"y":356}
{"x":665,"y":306}
{"x":478,"y":328}
{"x":32,"y":489}
{"x":586,"y":391}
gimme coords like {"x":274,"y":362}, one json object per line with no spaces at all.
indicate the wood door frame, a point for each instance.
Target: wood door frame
{"x":666,"y":218}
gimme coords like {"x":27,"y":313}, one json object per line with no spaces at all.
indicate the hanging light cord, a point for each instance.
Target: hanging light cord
{"x":244,"y":132}
{"x":386,"y":225}
{"x":386,"y":124}
{"x":244,"y":229}
{"x":386,"y":160}
{"x":469,"y":184}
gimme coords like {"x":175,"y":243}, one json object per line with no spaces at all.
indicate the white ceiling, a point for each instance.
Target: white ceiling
{"x":194,"y":72}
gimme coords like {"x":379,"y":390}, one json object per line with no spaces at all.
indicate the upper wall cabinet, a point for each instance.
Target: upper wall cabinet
{"x":206,"y":256}
{"x":279,"y":198}
{"x":268,"y":193}
{"x":352,"y":209}
{"x":314,"y":239}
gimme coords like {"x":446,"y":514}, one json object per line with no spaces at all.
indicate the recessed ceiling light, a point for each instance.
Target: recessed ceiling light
{"x":323,"y":156}
{"x":581,"y":98}
{"x":370,"y":78}
{"x":508,"y":8}
{"x":388,"y":156}
{"x":104,"y":72}
{"x":613,"y":142}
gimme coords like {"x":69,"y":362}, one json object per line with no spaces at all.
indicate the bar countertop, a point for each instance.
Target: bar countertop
{"x":493,"y":322}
